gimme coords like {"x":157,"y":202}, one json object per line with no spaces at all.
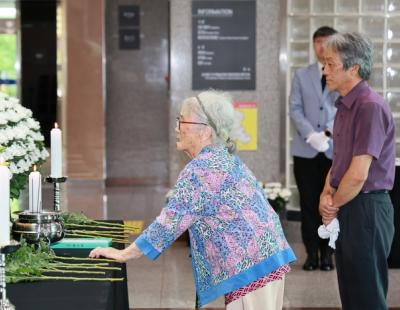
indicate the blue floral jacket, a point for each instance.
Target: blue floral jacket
{"x":236,"y":237}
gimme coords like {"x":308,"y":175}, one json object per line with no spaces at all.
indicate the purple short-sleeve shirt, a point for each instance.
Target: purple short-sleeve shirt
{"x":364,"y":126}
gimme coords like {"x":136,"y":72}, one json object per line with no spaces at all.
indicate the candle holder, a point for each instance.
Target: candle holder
{"x":5,"y":304}
{"x":56,"y":188}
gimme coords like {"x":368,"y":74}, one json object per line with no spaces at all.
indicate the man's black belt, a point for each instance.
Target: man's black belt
{"x":379,"y":191}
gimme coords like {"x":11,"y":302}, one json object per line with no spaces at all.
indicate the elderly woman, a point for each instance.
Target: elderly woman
{"x":237,"y":243}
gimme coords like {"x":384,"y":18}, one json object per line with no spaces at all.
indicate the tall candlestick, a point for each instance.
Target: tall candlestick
{"x":35,"y":191}
{"x":56,"y":152}
{"x":4,"y":205}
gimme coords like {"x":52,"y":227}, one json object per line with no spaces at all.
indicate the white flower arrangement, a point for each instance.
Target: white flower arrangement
{"x":277,"y":195}
{"x":22,"y":142}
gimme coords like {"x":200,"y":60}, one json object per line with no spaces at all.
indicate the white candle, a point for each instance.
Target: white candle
{"x":35,"y":191}
{"x":56,"y":152}
{"x":4,"y":205}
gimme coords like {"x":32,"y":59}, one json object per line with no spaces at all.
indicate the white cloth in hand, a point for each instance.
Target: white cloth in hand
{"x":318,"y":141}
{"x":330,"y":231}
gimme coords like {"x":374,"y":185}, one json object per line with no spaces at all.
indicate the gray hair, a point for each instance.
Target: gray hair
{"x":353,"y":49}
{"x":215,"y":109}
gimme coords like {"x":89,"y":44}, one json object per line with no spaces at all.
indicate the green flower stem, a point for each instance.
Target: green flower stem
{"x":72,"y":271}
{"x":82,"y":264}
{"x":87,"y":234}
{"x":30,"y":263}
{"x":124,"y":226}
{"x":84,"y":259}
{"x":125,"y":241}
{"x":99,"y":233}
{"x":74,"y":266}
{"x":92,"y":226}
{"x":101,"y":225}
{"x":15,"y":279}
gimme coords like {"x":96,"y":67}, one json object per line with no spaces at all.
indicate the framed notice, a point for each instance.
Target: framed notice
{"x":223,"y":44}
{"x":129,"y":39}
{"x":245,"y":129}
{"x":128,"y":16}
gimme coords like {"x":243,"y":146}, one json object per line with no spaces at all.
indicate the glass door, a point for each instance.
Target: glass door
{"x":8,"y":48}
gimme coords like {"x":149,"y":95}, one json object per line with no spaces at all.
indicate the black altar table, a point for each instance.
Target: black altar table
{"x":67,"y":295}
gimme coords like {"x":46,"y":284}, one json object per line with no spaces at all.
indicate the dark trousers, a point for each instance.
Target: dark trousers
{"x":366,"y":234}
{"x":310,"y":174}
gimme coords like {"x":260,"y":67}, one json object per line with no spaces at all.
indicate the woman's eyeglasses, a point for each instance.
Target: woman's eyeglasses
{"x":179,"y":122}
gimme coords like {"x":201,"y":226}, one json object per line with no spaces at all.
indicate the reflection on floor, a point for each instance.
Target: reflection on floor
{"x":168,"y":282}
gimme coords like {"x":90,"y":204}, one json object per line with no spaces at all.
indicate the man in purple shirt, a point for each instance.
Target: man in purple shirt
{"x":362,"y":172}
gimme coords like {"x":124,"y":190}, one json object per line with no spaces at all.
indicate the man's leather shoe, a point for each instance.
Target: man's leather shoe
{"x":326,"y":263}
{"x":311,"y":263}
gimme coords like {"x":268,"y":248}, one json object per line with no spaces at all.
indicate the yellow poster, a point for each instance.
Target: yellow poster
{"x":245,"y":130}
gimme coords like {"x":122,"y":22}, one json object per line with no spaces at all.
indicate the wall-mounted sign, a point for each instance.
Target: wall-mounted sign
{"x":128,"y":16}
{"x":129,"y":27}
{"x":223,"y":44}
{"x":129,"y":39}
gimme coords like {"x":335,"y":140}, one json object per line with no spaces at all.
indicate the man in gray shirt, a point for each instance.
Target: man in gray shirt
{"x":362,"y":172}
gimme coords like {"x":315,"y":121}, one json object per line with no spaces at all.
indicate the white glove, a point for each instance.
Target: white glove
{"x":318,"y":141}
{"x":330,"y":231}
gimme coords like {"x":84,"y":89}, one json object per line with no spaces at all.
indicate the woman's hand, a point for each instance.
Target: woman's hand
{"x":120,"y":256}
{"x":108,"y":253}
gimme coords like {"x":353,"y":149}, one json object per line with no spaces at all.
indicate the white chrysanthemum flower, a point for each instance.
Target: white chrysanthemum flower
{"x":44,"y":154}
{"x":276,"y":190}
{"x":20,"y":136}
{"x":272,"y":196}
{"x":3,"y":120}
{"x":286,"y":193}
{"x":268,"y":191}
{"x":3,"y":138}
{"x":273,"y":185}
{"x":277,"y":195}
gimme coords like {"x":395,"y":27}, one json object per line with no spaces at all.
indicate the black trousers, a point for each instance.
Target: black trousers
{"x":310,"y":174}
{"x":362,"y":249}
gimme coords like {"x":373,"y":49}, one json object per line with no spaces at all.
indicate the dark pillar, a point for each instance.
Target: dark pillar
{"x":39,"y":61}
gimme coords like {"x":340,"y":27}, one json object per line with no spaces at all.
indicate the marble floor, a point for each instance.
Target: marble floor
{"x":168,"y":282}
